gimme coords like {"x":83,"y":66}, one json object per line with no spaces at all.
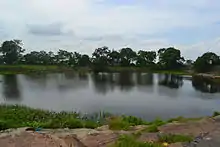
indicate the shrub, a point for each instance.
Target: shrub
{"x":158,"y":122}
{"x":152,"y":128}
{"x":4,"y":125}
{"x":73,"y":123}
{"x":90,"y":124}
{"x":134,"y":120}
{"x":52,"y":124}
{"x":118,"y":124}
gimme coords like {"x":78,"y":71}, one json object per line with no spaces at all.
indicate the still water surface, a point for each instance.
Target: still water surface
{"x":140,"y":94}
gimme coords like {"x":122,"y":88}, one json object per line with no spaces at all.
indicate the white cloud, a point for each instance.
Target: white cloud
{"x":93,"y":23}
{"x":197,"y":49}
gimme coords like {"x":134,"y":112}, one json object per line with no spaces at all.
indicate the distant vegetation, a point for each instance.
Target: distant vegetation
{"x":103,"y":59}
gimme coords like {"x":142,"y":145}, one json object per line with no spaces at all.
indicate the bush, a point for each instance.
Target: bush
{"x":134,"y":121}
{"x":90,"y":124}
{"x":152,"y":128}
{"x":73,"y":123}
{"x":52,"y":124}
{"x":118,"y":124}
{"x":158,"y":122}
{"x":4,"y":125}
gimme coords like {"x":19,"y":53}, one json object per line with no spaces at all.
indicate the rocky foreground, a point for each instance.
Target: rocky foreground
{"x":205,"y":131}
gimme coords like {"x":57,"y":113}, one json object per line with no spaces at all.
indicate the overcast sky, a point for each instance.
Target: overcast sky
{"x":193,"y":26}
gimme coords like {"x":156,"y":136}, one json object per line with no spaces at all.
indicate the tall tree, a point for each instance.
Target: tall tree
{"x":127,"y":56}
{"x":84,"y":60}
{"x":100,"y":56}
{"x":170,"y":58}
{"x":206,"y":62}
{"x":145,"y":58}
{"x":64,"y":57}
{"x":114,"y":58}
{"x":11,"y":51}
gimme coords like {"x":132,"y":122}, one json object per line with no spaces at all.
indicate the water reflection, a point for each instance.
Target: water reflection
{"x":145,"y":82}
{"x":171,"y":81}
{"x":145,"y":79}
{"x":126,"y":81}
{"x":142,"y":94}
{"x":103,"y":82}
{"x":11,"y":87}
{"x":72,"y":81}
{"x":37,"y":80}
{"x":205,"y":85}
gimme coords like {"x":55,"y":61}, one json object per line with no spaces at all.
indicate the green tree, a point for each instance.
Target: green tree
{"x":114,"y":58}
{"x":84,"y":61}
{"x":64,"y":57}
{"x":12,"y":51}
{"x":145,"y":58}
{"x":32,"y":58}
{"x":127,"y":56}
{"x":206,"y":62}
{"x":41,"y":57}
{"x":100,"y":59}
{"x":100,"y":56}
{"x":170,"y":58}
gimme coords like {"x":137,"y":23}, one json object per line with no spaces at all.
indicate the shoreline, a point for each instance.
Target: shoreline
{"x":120,"y":131}
{"x":19,"y":69}
{"x":23,"y":116}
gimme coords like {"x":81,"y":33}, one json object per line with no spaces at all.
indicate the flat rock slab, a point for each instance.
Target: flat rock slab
{"x":26,"y":139}
{"x":190,"y":128}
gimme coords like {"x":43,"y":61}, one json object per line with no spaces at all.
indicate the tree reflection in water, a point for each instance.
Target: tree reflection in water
{"x":11,"y":89}
{"x":171,"y":81}
{"x":205,"y":85}
{"x":126,"y":81}
{"x":102,"y":82}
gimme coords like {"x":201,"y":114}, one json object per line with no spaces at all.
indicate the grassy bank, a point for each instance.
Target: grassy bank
{"x":146,"y":69}
{"x":21,"y":116}
{"x":18,"y":69}
{"x":13,"y":116}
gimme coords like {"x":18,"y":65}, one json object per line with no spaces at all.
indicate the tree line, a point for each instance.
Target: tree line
{"x":12,"y":52}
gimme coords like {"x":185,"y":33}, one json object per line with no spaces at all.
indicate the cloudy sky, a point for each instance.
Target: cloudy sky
{"x":193,"y":26}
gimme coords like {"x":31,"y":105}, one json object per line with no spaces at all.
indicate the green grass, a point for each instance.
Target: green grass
{"x":172,"y":138}
{"x":18,"y":69}
{"x":134,"y":121}
{"x":152,"y":129}
{"x":118,"y":124}
{"x":175,"y":72}
{"x":14,"y":116}
{"x":21,"y":116}
{"x":147,"y":69}
{"x":125,"y":122}
{"x":130,"y":141}
{"x":153,"y":126}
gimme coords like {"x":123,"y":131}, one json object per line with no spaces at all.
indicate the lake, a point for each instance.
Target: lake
{"x":144,"y":95}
